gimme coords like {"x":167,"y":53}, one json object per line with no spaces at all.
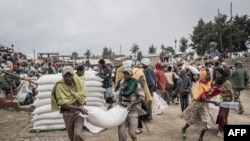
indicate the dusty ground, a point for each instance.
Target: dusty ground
{"x":14,"y":126}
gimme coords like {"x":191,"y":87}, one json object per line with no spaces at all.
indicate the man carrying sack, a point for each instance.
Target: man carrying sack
{"x":70,"y":94}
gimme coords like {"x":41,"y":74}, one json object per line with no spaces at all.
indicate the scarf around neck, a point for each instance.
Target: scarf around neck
{"x":129,"y":88}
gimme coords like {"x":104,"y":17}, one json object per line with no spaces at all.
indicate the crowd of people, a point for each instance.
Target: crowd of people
{"x":214,"y":84}
{"x":199,"y":95}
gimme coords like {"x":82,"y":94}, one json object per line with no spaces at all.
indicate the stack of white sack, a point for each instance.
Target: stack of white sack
{"x":44,"y":118}
{"x":95,"y":90}
{"x":158,"y":104}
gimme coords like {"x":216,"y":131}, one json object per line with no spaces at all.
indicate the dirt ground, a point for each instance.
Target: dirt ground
{"x":14,"y":126}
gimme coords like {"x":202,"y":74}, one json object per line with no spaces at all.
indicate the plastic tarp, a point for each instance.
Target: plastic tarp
{"x":158,"y":104}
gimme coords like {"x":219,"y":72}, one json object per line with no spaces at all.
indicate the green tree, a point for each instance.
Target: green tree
{"x":170,"y":49}
{"x":162,"y":48}
{"x":240,"y":33}
{"x":88,"y":53}
{"x":107,"y":53}
{"x":183,"y":44}
{"x":74,"y":55}
{"x":232,"y":34}
{"x":139,"y":56}
{"x":134,"y":49}
{"x":152,"y":49}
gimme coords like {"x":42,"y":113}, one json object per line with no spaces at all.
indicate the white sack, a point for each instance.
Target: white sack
{"x":45,"y":87}
{"x":41,"y":102}
{"x":193,"y":70}
{"x":42,"y":109}
{"x":106,"y":119}
{"x":48,"y":122}
{"x":95,"y":99}
{"x":101,"y":104}
{"x":92,"y":78}
{"x":50,"y":115}
{"x":95,"y":89}
{"x":92,"y":83}
{"x":213,"y":109}
{"x":92,"y":128}
{"x":158,"y":104}
{"x":49,"y":79}
{"x":21,"y":95}
{"x":44,"y":94}
{"x":50,"y":127}
{"x":95,"y":94}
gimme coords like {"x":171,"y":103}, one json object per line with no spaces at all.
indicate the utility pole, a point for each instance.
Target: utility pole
{"x":175,"y":45}
{"x":120,"y":50}
{"x":231,"y":19}
{"x":219,"y":16}
{"x":34,"y":52}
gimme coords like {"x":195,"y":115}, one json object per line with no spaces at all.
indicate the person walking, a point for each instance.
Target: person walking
{"x":170,"y":77}
{"x":239,"y":80}
{"x":197,"y":113}
{"x":161,"y":82}
{"x":106,"y":74}
{"x":226,"y":96}
{"x":183,"y":88}
{"x":131,"y":95}
{"x":150,"y":79}
{"x":70,"y":94}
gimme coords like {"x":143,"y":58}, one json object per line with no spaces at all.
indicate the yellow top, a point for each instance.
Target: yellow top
{"x":63,"y":94}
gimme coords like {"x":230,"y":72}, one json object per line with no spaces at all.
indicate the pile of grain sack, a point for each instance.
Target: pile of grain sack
{"x":46,"y":119}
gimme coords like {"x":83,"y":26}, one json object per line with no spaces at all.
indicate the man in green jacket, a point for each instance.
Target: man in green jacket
{"x":70,"y":94}
{"x":239,"y":81}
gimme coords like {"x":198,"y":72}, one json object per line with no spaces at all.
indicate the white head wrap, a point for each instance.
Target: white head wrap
{"x":145,"y":61}
{"x":127,"y":63}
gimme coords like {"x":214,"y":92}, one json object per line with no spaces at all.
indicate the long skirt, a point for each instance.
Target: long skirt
{"x":197,"y":114}
{"x":222,"y":118}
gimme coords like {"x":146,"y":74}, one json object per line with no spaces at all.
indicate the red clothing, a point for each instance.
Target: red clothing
{"x":222,"y":118}
{"x":55,"y":66}
{"x":162,"y":82}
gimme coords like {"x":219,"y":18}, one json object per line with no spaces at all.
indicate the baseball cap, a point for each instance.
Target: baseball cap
{"x":128,"y":70}
{"x":67,"y":69}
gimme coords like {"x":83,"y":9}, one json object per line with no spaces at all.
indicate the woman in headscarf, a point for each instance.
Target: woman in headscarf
{"x":225,"y":96}
{"x":161,"y":82}
{"x":197,"y":113}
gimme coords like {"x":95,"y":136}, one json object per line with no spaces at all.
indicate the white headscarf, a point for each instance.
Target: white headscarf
{"x":145,"y":61}
{"x":127,"y":63}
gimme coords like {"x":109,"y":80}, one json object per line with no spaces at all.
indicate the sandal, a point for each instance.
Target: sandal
{"x":138,"y":131}
{"x":183,"y":135}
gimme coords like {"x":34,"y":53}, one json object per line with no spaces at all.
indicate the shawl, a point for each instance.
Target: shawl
{"x":130,"y":87}
{"x":202,"y":85}
{"x":63,"y":94}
